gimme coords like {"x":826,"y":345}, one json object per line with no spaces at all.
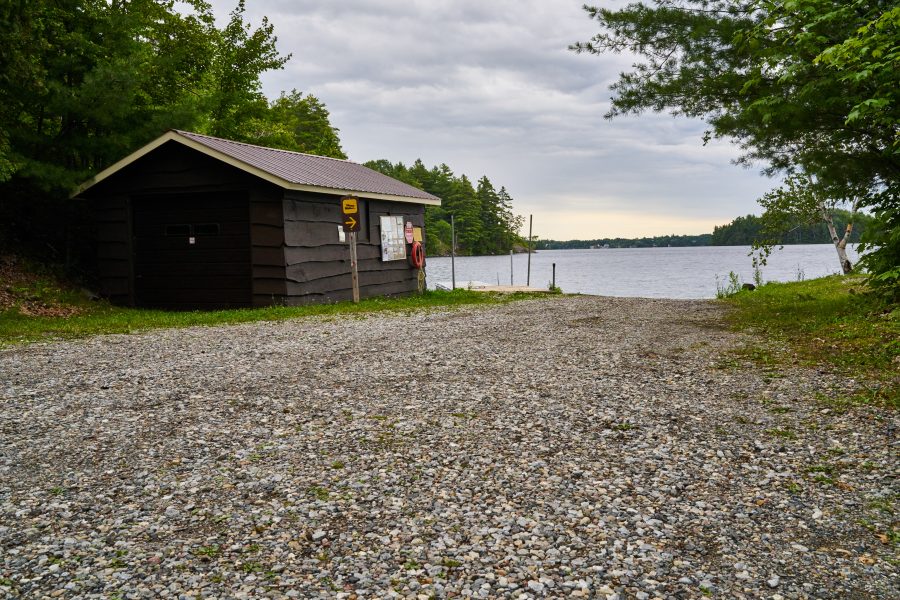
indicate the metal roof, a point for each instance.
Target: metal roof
{"x":291,"y":170}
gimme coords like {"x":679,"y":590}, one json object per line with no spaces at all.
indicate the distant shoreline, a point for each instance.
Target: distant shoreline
{"x":537,"y":250}
{"x":742,"y":231}
{"x":553,"y":245}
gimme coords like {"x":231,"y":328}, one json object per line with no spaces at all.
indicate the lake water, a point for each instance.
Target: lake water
{"x":640,"y":272}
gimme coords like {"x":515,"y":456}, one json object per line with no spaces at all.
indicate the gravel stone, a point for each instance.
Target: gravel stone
{"x":573,"y":446}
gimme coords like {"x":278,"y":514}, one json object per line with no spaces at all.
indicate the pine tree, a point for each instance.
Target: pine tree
{"x":485,"y":223}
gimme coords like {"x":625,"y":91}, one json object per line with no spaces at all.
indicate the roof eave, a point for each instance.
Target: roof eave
{"x":239,"y":164}
{"x":368,"y":195}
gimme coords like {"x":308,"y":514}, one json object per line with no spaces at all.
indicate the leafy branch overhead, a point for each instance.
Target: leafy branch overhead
{"x":805,"y":87}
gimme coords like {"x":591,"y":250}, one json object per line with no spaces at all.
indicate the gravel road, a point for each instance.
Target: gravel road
{"x":569,"y":447}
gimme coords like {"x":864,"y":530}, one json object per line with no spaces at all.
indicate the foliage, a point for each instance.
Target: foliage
{"x":743,"y":231}
{"x":870,"y":57}
{"x":805,"y":86}
{"x":233,"y":88}
{"x":883,"y":261}
{"x":299,"y":123}
{"x":829,"y":323}
{"x":485,"y":223}
{"x":751,"y":229}
{"x":729,"y":287}
{"x":802,"y":198}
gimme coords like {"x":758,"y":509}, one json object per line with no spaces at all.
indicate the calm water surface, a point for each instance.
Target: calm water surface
{"x":640,"y":272}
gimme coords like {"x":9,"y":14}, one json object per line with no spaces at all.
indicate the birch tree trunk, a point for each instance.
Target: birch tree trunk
{"x":840,"y":244}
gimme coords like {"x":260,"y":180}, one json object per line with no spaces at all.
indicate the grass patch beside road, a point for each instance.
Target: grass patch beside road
{"x":93,"y":318}
{"x":828,"y":323}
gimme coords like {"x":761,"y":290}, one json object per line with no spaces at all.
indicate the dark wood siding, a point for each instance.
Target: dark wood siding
{"x":317,"y":264}
{"x":267,"y":251}
{"x":172,"y":272}
{"x":112,"y":221}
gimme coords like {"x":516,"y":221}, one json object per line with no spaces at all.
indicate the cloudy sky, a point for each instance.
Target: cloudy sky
{"x":490,"y":88}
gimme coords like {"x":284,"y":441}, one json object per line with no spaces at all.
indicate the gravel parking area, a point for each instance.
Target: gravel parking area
{"x":569,"y":447}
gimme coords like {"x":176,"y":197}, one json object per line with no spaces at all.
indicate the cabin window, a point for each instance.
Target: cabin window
{"x":178,"y":230}
{"x":206,"y":229}
{"x":185,"y":229}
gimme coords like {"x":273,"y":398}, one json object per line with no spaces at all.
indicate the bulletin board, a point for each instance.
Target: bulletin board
{"x":393,"y":242}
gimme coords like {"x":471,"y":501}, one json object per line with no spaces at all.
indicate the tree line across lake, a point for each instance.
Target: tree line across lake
{"x":743,"y":231}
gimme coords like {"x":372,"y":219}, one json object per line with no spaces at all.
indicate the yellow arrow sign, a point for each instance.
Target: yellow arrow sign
{"x":350,"y":208}
{"x":350,"y":224}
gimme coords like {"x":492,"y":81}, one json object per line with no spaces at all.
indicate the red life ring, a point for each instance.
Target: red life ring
{"x":417,"y":255}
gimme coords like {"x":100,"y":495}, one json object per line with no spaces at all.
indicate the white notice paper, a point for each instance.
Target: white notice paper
{"x":393,"y":244}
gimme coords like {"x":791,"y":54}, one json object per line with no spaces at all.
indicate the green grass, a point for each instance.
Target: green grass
{"x":624,"y":426}
{"x":319,"y":493}
{"x":213,"y":551}
{"x":103,"y":318}
{"x":785,"y":434}
{"x":793,"y":487}
{"x":822,"y":473}
{"x":828,"y":323}
{"x":251,"y":567}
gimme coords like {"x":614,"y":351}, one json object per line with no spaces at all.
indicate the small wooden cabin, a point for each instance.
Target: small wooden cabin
{"x":196,"y":222}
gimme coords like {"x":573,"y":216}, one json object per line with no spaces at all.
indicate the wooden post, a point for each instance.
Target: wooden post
{"x":452,"y":253}
{"x":354,"y":267}
{"x":528,"y":276}
{"x":553,"y":285}
{"x":510,"y":267}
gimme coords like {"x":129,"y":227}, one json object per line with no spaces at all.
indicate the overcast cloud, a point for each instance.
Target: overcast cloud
{"x":489,"y":87}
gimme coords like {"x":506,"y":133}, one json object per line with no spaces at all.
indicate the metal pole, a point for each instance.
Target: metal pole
{"x":510,"y":267}
{"x":554,"y":276}
{"x":452,"y":253}
{"x":528,"y":276}
{"x":354,"y":267}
